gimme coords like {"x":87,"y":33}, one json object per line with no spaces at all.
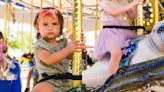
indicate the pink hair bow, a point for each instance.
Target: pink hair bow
{"x":50,"y":12}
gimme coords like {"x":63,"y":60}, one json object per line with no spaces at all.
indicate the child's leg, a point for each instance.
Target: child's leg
{"x":43,"y":87}
{"x":114,"y":62}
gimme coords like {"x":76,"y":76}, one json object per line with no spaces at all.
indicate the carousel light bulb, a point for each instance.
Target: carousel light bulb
{"x":151,"y":10}
{"x":150,"y":4}
{"x":147,"y":23}
{"x":151,"y":20}
{"x":144,"y":22}
{"x":125,"y":18}
{"x":151,"y":15}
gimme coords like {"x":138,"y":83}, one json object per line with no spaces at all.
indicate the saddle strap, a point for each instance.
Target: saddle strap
{"x":60,"y":77}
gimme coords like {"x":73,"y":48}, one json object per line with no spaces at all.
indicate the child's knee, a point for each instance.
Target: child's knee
{"x":43,"y":87}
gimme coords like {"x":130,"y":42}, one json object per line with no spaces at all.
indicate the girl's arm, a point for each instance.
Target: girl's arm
{"x":117,"y":11}
{"x":53,"y":58}
{"x":29,"y":77}
{"x":133,"y":12}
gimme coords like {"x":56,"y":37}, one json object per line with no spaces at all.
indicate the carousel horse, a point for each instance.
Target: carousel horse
{"x":10,"y":76}
{"x":149,"y":47}
{"x":141,"y":77}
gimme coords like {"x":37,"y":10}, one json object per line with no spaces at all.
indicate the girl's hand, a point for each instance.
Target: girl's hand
{"x":74,"y":46}
{"x":136,"y":2}
{"x":141,"y":0}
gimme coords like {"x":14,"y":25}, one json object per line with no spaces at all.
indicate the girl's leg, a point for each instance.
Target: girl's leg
{"x":114,"y":62}
{"x":43,"y":87}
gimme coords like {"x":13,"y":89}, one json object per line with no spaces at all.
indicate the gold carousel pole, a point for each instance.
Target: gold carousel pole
{"x":67,"y":24}
{"x":77,"y":26}
{"x":140,"y":18}
{"x":53,"y":4}
{"x":41,"y":4}
{"x":6,"y":13}
{"x":96,"y":21}
{"x":156,"y":5}
{"x":60,"y":5}
{"x":8,"y":22}
{"x":73,"y":20}
{"x":31,"y":13}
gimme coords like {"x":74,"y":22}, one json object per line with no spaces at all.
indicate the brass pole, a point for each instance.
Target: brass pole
{"x":8,"y":22}
{"x":31,"y":14}
{"x":156,"y":5}
{"x":67,"y":24}
{"x":5,"y":15}
{"x":53,"y":4}
{"x":41,"y":4}
{"x":77,"y":56}
{"x":96,"y":21}
{"x":140,"y":18}
{"x":73,"y":20}
{"x":60,"y":5}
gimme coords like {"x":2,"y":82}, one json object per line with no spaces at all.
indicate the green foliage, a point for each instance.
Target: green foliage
{"x":14,"y":44}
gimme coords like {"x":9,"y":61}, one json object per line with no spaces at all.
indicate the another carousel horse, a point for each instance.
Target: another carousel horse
{"x":141,"y":77}
{"x":149,"y":47}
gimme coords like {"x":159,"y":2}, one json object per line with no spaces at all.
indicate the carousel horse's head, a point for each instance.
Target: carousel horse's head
{"x":157,"y":35}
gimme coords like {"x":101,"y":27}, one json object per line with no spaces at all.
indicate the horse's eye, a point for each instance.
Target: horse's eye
{"x":160,"y":29}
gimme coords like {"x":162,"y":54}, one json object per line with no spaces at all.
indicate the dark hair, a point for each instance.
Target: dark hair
{"x":1,"y":35}
{"x":58,"y":14}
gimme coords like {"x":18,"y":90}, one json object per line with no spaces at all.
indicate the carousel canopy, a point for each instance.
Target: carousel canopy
{"x":88,"y":9}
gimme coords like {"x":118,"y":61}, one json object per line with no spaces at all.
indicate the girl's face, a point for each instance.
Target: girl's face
{"x":49,"y":26}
